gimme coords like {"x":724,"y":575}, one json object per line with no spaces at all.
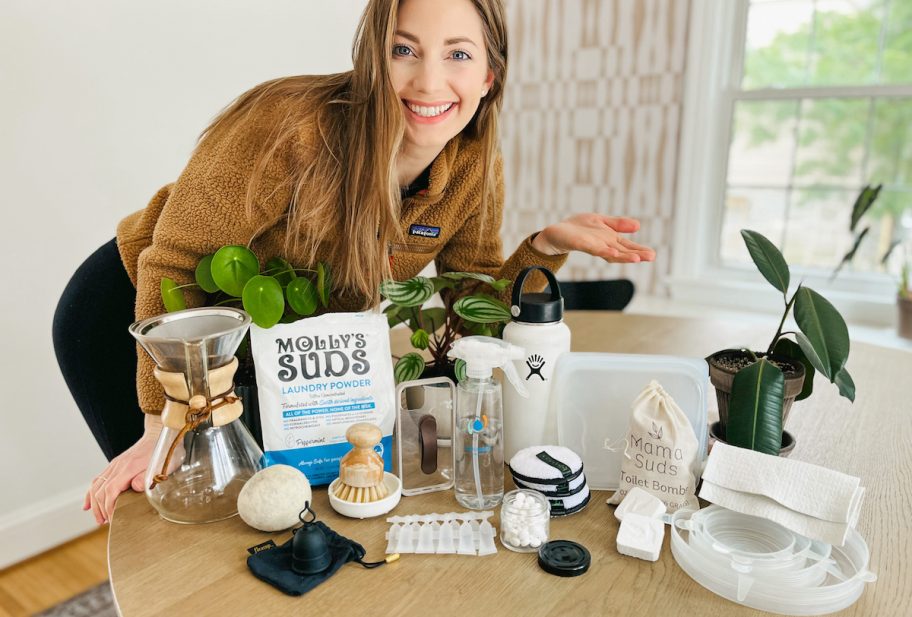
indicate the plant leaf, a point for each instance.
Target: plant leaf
{"x":432,"y":319}
{"x":302,"y":296}
{"x":324,"y":282}
{"x":501,"y":284}
{"x":481,"y":308}
{"x":203,"y":275}
{"x":263,"y":299}
{"x":851,"y":254}
{"x":478,"y":276}
{"x":413,"y":292}
{"x":768,"y":258}
{"x":460,"y":369}
{"x":785,"y":347}
{"x":863,"y":203}
{"x":825,"y":330}
{"x":845,"y":384}
{"x":409,"y":367}
{"x":232,"y":266}
{"x":889,"y":251}
{"x":755,"y":409}
{"x":420,"y":339}
{"x":282,"y":271}
{"x":442,"y":283}
{"x":172,"y":297}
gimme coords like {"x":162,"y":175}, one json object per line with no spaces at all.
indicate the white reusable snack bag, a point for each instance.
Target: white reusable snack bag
{"x":315,"y":378}
{"x":660,"y":452}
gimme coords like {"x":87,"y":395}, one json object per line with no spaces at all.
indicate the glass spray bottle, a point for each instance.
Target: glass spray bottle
{"x":479,"y":419}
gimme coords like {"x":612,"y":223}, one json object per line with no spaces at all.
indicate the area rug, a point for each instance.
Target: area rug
{"x":96,"y":602}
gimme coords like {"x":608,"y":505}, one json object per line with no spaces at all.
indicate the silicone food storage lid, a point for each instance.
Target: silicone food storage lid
{"x":592,"y":396}
{"x":743,"y":559}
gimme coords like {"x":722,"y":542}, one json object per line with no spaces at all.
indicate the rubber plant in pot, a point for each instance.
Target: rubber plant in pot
{"x":465,"y":310}
{"x":277,"y":292}
{"x":756,"y":389}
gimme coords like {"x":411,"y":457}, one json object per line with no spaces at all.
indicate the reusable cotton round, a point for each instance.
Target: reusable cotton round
{"x":553,"y":466}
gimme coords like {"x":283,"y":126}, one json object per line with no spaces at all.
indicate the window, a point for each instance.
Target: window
{"x":792,"y":107}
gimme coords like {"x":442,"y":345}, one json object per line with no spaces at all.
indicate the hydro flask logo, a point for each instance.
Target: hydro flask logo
{"x":535,"y":363}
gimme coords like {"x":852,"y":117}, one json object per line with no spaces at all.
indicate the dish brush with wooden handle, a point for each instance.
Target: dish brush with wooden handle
{"x":361,"y":470}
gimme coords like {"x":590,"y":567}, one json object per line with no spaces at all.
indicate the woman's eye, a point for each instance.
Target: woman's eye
{"x":461,"y":55}
{"x":401,"y":50}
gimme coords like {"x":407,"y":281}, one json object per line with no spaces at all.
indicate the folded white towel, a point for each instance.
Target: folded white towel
{"x":814,"y":501}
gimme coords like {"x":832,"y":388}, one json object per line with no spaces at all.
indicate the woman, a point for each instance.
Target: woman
{"x":379,"y":171}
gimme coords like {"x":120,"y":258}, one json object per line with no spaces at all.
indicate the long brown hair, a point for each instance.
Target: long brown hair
{"x":358,"y":117}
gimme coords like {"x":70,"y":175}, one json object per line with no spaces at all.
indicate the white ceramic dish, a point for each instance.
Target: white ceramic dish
{"x":367,"y":510}
{"x":592,"y":396}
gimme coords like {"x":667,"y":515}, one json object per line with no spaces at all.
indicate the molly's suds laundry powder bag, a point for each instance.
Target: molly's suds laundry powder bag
{"x":660,"y":452}
{"x":315,"y":378}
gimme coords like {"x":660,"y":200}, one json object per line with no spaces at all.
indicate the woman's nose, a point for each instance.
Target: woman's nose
{"x":429,"y":77}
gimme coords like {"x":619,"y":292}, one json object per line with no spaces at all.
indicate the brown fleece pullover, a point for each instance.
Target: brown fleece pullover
{"x":205,"y":209}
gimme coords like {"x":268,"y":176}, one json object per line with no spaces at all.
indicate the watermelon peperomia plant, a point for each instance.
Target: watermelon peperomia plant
{"x":232,"y":276}
{"x":434,"y":329}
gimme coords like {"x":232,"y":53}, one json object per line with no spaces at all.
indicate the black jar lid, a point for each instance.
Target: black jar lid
{"x":564,"y":558}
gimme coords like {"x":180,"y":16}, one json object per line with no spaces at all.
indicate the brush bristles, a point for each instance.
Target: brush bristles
{"x":361,"y":494}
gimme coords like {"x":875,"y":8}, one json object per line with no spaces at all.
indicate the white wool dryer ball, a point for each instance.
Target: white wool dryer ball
{"x":273,"y":497}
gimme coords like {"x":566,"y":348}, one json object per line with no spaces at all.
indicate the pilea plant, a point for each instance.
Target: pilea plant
{"x":756,"y":404}
{"x":464,"y":311}
{"x":278,"y":293}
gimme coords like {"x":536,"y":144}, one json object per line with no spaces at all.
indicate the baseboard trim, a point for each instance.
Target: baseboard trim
{"x":40,"y":526}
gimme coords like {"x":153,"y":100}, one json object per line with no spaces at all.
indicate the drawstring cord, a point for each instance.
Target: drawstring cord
{"x":199,"y":410}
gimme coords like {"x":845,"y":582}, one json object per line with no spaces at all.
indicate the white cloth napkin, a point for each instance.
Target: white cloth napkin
{"x":814,"y":501}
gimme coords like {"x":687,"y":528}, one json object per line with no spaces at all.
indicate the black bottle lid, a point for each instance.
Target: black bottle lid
{"x":545,"y":307}
{"x":564,"y":558}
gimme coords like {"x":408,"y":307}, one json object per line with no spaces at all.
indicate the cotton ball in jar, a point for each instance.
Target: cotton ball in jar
{"x":273,"y":497}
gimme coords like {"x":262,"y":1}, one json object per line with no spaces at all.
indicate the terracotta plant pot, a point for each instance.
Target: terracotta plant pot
{"x":722,"y":378}
{"x":904,"y":327}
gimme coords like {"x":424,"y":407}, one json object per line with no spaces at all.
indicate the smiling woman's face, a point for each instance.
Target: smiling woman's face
{"x":439,"y":69}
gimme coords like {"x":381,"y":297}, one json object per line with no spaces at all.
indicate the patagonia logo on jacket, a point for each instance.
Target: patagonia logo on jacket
{"x":425,"y":231}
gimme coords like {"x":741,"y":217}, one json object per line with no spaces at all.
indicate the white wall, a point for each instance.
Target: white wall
{"x":102,"y":101}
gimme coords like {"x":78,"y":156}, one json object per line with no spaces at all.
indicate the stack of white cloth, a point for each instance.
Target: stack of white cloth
{"x":813,"y":501}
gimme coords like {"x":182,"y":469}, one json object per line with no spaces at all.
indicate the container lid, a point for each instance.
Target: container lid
{"x":537,"y":307}
{"x":564,"y":558}
{"x":592,"y":396}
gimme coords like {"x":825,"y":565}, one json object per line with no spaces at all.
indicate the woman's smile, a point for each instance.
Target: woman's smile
{"x":429,"y":113}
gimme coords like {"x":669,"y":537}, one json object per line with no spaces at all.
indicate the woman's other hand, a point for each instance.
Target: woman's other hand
{"x":125,"y":471}
{"x":595,"y":234}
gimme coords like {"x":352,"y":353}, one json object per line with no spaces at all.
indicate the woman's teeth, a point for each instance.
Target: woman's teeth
{"x":429,"y":112}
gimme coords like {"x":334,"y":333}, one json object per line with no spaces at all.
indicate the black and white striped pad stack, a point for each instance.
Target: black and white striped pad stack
{"x":554,"y":471}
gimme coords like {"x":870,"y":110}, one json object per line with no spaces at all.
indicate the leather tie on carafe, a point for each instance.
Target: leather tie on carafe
{"x":199,"y":408}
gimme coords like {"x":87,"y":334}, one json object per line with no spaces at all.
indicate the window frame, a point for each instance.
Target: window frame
{"x":715,"y":53}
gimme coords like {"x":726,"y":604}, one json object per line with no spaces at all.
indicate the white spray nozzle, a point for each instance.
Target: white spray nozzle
{"x":482,"y":354}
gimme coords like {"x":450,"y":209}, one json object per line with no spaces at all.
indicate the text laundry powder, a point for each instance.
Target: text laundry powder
{"x":315,"y":378}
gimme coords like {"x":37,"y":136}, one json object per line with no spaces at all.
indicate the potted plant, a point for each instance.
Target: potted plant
{"x":465,"y":310}
{"x":904,"y":302}
{"x":756,"y":389}
{"x":277,"y":292}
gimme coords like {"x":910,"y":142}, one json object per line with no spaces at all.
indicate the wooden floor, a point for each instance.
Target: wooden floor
{"x":61,"y":573}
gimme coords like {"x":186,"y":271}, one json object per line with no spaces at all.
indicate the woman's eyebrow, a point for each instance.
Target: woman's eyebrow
{"x":452,"y":41}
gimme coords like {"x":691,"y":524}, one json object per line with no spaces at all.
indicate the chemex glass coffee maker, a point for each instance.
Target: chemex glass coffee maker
{"x":205,"y":454}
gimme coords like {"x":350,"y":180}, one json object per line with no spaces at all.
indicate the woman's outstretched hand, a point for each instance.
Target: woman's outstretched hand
{"x":595,"y":234}
{"x":125,"y":471}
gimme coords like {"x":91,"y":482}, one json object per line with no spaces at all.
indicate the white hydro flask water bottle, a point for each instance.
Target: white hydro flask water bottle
{"x":537,"y":327}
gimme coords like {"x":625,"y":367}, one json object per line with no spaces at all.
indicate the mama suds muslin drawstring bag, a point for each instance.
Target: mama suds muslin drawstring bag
{"x":660,"y":452}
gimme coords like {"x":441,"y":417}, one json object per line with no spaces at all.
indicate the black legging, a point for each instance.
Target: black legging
{"x":96,"y":354}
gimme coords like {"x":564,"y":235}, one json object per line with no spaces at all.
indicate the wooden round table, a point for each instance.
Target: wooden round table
{"x":162,"y":569}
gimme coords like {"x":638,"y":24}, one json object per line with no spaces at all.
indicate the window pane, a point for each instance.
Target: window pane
{"x":890,"y":157}
{"x":778,"y":44}
{"x":795,"y":43}
{"x":762,"y":210}
{"x":845,"y":42}
{"x":763,"y":143}
{"x":897,"y":56}
{"x":817,"y":228}
{"x":831,"y":142}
